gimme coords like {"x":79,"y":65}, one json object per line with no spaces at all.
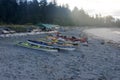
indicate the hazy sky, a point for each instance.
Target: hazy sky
{"x":104,"y":7}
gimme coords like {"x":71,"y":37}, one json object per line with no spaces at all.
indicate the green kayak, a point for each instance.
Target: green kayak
{"x":37,"y":47}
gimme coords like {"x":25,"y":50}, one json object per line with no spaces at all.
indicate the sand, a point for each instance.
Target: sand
{"x":97,"y":61}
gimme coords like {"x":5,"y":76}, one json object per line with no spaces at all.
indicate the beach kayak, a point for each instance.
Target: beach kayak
{"x":37,"y":47}
{"x":56,"y":46}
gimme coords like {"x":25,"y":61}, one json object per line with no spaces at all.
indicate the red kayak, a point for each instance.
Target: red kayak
{"x":73,"y":39}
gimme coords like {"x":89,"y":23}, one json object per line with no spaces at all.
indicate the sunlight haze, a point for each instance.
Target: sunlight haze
{"x":103,"y":7}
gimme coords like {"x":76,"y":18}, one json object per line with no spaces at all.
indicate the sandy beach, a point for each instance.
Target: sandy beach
{"x":97,"y":61}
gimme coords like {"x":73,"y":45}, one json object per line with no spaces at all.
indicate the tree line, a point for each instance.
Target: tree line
{"x":34,"y":11}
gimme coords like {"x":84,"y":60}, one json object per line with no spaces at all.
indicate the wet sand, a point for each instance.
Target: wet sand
{"x":97,"y":61}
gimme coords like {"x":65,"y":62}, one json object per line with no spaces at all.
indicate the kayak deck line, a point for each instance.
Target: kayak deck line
{"x":40,"y":43}
{"x":28,"y":45}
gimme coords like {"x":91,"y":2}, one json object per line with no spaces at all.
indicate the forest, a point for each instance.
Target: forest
{"x":42,"y":11}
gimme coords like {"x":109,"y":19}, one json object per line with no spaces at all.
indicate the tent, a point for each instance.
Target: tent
{"x":47,"y":26}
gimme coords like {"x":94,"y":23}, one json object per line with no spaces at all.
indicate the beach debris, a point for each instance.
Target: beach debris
{"x":85,"y":44}
{"x":102,"y":42}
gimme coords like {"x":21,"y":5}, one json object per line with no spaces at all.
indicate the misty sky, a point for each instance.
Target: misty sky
{"x":104,"y":7}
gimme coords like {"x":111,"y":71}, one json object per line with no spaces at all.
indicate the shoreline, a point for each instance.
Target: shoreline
{"x":25,"y":34}
{"x":103,"y":39}
{"x":93,"y":62}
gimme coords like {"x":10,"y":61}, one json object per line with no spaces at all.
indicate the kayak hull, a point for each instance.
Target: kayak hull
{"x":36,"y":47}
{"x":41,"y":43}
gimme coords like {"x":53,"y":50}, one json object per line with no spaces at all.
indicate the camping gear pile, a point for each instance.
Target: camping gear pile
{"x":54,"y":43}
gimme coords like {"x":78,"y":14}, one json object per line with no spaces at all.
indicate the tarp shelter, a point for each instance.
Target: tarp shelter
{"x":46,"y":26}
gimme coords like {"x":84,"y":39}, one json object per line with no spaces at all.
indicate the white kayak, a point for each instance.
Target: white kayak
{"x":56,"y":46}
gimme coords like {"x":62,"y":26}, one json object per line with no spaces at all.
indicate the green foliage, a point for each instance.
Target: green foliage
{"x":34,"y":11}
{"x":8,"y":9}
{"x":117,"y":23}
{"x":21,"y":28}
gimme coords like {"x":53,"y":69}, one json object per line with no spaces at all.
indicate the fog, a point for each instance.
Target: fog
{"x":110,"y":34}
